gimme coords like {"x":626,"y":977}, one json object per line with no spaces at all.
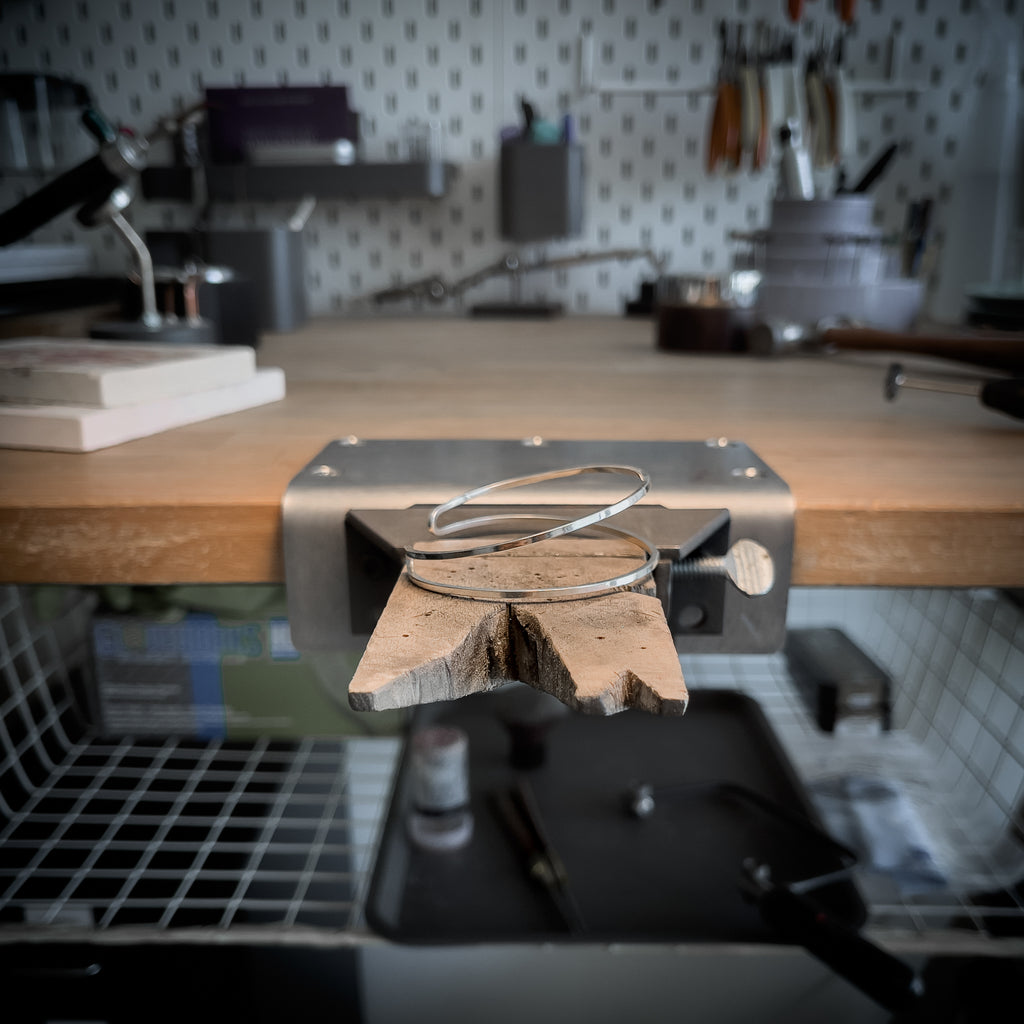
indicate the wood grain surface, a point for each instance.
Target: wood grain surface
{"x":600,"y":654}
{"x":926,"y":490}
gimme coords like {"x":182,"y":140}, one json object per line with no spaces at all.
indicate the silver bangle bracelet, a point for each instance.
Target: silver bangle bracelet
{"x":564,"y":526}
{"x":577,"y":590}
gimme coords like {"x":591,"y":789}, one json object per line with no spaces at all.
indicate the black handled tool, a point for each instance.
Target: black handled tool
{"x":887,"y":980}
{"x":873,"y":173}
{"x":1005,"y":394}
{"x":518,"y":812}
{"x":90,"y":181}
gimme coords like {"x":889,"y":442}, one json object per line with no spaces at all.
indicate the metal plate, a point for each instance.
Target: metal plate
{"x":330,"y":607}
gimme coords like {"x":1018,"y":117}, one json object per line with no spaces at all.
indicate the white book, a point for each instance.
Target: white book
{"x":113,"y":373}
{"x":71,"y":428}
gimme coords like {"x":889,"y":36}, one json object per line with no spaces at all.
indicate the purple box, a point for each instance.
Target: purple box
{"x":239,"y":118}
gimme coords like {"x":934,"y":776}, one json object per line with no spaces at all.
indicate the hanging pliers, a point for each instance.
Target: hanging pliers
{"x":724,"y":133}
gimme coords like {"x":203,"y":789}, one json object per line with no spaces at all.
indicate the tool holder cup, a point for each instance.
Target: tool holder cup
{"x":541,"y":187}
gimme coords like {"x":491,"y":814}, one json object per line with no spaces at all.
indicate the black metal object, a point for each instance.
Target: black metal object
{"x":892,"y":983}
{"x":838,"y":680}
{"x":89,"y":182}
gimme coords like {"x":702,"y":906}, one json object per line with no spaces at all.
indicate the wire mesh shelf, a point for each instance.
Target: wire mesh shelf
{"x":208,"y":838}
{"x":174,"y":833}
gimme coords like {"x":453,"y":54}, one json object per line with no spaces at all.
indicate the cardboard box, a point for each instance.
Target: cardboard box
{"x":213,"y":677}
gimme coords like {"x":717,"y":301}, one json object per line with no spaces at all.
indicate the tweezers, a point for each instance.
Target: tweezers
{"x":517,"y":809}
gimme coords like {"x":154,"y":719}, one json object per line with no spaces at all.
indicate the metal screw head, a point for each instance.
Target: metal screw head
{"x":894,"y":379}
{"x":750,"y":567}
{"x":640,"y":800}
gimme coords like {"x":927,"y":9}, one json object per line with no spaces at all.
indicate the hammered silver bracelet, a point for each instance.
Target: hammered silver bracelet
{"x":590,"y":522}
{"x":565,"y":526}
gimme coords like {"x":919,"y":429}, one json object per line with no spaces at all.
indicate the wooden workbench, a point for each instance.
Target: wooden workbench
{"x":927,"y":490}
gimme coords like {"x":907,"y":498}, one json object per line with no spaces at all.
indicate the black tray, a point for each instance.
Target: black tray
{"x":674,"y":876}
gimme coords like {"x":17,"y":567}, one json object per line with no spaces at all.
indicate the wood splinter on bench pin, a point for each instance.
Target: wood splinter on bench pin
{"x":600,"y":653}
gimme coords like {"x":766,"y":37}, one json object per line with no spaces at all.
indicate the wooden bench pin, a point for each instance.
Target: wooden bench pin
{"x":598,"y":654}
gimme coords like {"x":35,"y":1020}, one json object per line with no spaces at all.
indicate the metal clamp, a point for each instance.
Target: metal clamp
{"x":350,"y":514}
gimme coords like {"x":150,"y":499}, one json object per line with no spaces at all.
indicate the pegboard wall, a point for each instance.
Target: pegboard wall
{"x":464,"y":64}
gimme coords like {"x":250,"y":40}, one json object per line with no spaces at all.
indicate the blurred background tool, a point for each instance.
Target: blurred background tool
{"x":846,"y":10}
{"x":845,"y":124}
{"x":517,"y":809}
{"x":1004,"y":395}
{"x":997,"y":350}
{"x":103,"y":186}
{"x":724,"y":136}
{"x":874,"y":171}
{"x":915,"y":236}
{"x":749,"y":85}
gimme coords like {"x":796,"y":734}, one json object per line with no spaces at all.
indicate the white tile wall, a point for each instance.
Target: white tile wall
{"x":464,"y":63}
{"x":956,"y":658}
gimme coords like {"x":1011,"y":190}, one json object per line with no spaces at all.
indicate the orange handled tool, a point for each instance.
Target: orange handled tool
{"x":724,"y":133}
{"x":763,"y":136}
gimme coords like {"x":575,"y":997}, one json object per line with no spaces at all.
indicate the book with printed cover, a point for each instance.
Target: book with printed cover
{"x":107,"y":374}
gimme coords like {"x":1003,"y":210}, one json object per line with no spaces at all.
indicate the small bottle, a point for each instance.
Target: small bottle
{"x":440,"y":818}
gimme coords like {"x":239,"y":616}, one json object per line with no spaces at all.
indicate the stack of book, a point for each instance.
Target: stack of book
{"x":81,"y":395}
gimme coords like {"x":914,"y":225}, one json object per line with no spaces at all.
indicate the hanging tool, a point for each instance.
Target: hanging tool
{"x":794,"y":92}
{"x":773,"y":84}
{"x":915,"y":237}
{"x":845,"y":105}
{"x":875,"y":170}
{"x":795,"y":9}
{"x":762,"y":147}
{"x":831,"y":99}
{"x":748,"y":82}
{"x":846,"y":9}
{"x":1005,"y":395}
{"x":526,"y":108}
{"x":724,"y":144}
{"x":818,"y":114}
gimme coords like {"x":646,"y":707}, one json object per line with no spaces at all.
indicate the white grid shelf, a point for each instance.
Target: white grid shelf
{"x":194,"y":837}
{"x":176,"y":833}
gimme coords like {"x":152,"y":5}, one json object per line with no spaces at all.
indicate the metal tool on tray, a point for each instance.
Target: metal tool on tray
{"x":518,"y":811}
{"x":887,"y":980}
{"x":786,"y":907}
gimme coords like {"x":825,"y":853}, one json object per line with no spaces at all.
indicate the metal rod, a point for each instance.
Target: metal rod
{"x":897,"y":378}
{"x":144,"y":264}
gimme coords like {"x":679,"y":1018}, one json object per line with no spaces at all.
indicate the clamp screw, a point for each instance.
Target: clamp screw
{"x":747,"y":565}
